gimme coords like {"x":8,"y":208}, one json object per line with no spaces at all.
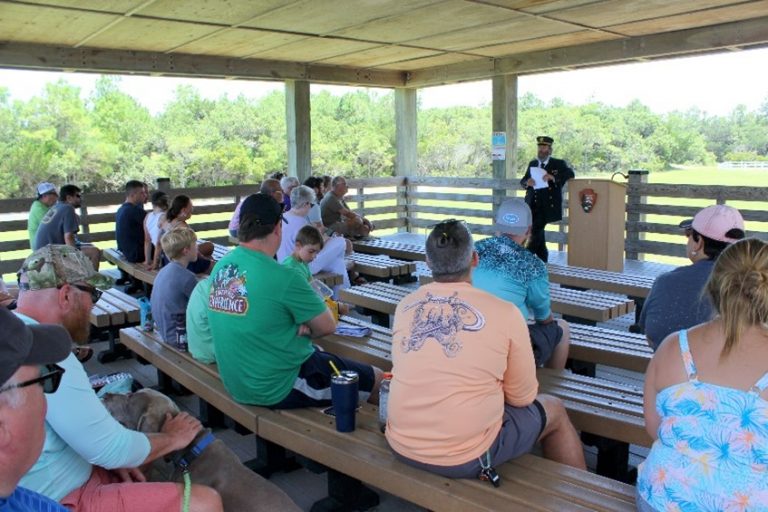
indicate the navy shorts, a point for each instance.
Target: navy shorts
{"x":312,"y":387}
{"x":544,"y":339}
{"x":521,"y":428}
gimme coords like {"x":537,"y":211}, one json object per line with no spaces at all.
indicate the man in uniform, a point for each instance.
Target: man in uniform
{"x":546,"y":202}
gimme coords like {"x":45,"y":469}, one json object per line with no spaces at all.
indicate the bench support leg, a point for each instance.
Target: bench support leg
{"x":164,"y":383}
{"x":639,"y":303}
{"x":270,"y":458}
{"x":345,"y":494}
{"x":210,"y":416}
{"x":581,"y":367}
{"x":576,"y":320}
{"x":377,"y":317}
{"x":404,"y":279}
{"x":612,"y":458}
{"x":115,"y":351}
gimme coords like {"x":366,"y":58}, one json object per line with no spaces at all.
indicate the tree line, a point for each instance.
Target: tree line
{"x":101,"y":141}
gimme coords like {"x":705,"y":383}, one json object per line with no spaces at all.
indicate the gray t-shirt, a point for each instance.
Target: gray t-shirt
{"x":331,"y":207}
{"x":676,"y":302}
{"x":170,"y":294}
{"x":60,"y":219}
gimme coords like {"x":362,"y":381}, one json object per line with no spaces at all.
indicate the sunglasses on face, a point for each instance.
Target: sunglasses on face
{"x":50,"y":378}
{"x":95,"y":292}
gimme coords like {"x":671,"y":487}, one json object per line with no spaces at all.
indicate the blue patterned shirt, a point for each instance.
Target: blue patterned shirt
{"x":712,"y":449}
{"x":513,"y":273}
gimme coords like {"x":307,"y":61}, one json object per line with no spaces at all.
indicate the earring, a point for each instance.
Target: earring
{"x":694,"y":253}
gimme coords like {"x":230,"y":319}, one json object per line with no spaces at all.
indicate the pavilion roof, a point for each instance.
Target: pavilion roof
{"x":388,"y":43}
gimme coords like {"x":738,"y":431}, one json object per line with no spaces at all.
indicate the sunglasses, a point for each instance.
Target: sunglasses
{"x":50,"y":380}
{"x":95,"y":292}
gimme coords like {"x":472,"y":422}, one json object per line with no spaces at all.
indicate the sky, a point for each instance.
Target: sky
{"x":715,"y":84}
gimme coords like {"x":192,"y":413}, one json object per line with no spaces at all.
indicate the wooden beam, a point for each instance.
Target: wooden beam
{"x":405,"y":131}
{"x":96,"y":60}
{"x":740,"y":34}
{"x":504,"y":120}
{"x":406,"y":143}
{"x":299,"y":129}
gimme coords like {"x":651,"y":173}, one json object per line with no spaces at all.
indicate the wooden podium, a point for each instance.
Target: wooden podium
{"x":596,"y":238}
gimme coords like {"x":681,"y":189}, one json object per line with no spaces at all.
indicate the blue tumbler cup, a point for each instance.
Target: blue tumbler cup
{"x":344,"y":389}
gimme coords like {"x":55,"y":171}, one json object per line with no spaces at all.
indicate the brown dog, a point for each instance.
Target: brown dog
{"x":217,"y":466}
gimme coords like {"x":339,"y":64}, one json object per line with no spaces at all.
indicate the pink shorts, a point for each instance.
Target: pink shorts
{"x":103,"y":492}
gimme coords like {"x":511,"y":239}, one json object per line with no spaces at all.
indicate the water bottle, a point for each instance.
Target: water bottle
{"x":181,"y":332}
{"x":386,"y":380}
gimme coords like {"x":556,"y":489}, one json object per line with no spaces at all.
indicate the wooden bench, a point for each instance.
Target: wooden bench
{"x":393,"y":249}
{"x":598,"y":406}
{"x":528,"y":483}
{"x":575,"y":305}
{"x":382,"y":267}
{"x":113,"y":311}
{"x":630,"y":285}
{"x":620,"y":349}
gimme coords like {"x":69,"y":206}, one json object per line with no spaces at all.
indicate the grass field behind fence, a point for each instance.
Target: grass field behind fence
{"x":689,"y":176}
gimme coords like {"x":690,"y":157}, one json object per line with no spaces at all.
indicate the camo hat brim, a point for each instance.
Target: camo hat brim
{"x":56,"y":265}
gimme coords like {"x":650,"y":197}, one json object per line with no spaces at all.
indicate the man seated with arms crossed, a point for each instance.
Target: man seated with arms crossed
{"x":463,"y":396}
{"x":337,"y":215}
{"x":262,"y":317}
{"x":88,"y":458}
{"x":61,"y":224}
{"x":27,"y":357}
{"x":511,"y":272}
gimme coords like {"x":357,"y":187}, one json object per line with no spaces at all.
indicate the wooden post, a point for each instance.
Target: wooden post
{"x":505,"y":120}
{"x":164,"y":184}
{"x":299,"y":127}
{"x":635,"y":198}
{"x":406,"y":158}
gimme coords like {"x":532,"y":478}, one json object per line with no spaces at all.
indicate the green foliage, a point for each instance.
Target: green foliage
{"x":101,"y":141}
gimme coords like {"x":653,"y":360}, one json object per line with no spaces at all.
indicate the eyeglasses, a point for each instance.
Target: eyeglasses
{"x":95,"y":292}
{"x":50,"y":380}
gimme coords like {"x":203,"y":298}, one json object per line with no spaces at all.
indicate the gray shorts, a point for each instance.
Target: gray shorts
{"x":544,"y":339}
{"x":521,"y":427}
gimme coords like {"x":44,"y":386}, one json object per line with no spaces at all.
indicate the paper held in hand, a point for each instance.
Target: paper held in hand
{"x":537,"y":173}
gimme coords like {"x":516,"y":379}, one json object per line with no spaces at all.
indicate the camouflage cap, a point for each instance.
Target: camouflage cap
{"x":55,"y":265}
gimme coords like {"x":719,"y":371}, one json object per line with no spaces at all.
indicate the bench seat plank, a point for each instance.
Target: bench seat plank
{"x":203,"y":383}
{"x":399,"y":250}
{"x":631,"y":285}
{"x":592,"y":306}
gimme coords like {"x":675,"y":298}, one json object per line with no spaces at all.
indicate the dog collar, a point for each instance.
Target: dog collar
{"x":188,"y":456}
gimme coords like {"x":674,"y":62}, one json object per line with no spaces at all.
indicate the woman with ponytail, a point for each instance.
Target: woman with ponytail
{"x":706,"y":397}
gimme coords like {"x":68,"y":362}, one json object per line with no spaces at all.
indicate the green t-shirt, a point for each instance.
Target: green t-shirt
{"x":299,"y":266}
{"x":199,"y":335}
{"x":36,"y":213}
{"x":255,"y":307}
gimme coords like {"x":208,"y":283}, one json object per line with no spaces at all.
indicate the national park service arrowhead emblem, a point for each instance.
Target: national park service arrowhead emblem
{"x":588,"y":199}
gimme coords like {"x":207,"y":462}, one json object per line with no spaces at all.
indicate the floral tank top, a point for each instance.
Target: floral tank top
{"x":712,"y":449}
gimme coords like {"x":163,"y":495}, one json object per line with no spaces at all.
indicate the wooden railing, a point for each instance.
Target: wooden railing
{"x":413,"y":204}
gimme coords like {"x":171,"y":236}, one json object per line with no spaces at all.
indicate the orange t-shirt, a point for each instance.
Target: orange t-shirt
{"x":458,"y":355}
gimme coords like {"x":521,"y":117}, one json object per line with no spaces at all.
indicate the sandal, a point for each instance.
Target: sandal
{"x":83,"y":354}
